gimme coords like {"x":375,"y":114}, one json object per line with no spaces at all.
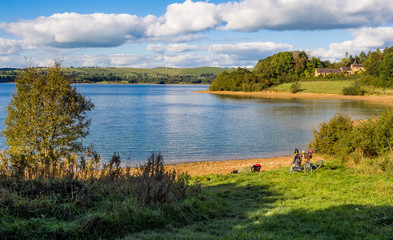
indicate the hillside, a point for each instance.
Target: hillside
{"x":161,"y":75}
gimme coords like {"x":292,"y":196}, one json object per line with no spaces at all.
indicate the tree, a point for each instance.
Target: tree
{"x":46,"y":115}
{"x":386,"y":69}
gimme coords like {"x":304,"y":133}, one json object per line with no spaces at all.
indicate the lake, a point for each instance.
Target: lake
{"x":136,"y":120}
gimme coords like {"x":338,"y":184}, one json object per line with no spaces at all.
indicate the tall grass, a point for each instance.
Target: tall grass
{"x":87,"y":201}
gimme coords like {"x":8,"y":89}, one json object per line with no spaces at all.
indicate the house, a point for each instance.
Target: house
{"x":348,"y":70}
{"x":326,"y":71}
{"x":357,"y":67}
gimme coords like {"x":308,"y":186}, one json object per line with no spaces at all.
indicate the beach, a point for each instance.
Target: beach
{"x":286,"y":95}
{"x":226,"y":167}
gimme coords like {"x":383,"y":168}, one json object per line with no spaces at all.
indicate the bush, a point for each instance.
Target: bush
{"x":369,"y":143}
{"x":296,"y":87}
{"x":355,"y":89}
{"x":333,"y":135}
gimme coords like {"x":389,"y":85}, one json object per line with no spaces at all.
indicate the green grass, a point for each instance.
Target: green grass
{"x":329,"y":87}
{"x":332,"y":203}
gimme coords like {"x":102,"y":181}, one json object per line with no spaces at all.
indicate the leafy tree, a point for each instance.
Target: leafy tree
{"x":46,"y":115}
{"x":386,"y":69}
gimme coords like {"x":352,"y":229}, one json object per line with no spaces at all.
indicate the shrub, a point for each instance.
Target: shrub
{"x":156,"y":185}
{"x":296,"y":87}
{"x":369,"y":144}
{"x":332,"y":135}
{"x":355,"y":89}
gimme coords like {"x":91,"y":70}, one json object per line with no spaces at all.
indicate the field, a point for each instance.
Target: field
{"x":332,"y":203}
{"x":331,"y":87}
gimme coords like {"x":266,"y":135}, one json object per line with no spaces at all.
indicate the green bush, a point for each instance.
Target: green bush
{"x":369,"y":143}
{"x":355,"y":89}
{"x":333,"y":135}
{"x":296,"y":87}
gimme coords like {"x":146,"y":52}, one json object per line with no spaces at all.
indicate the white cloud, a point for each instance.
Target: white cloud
{"x":252,"y":15}
{"x":224,"y":55}
{"x":73,"y":30}
{"x":112,"y":60}
{"x":365,"y":39}
{"x":69,"y":30}
{"x":250,"y":50}
{"x":180,"y":47}
{"x":10,"y":46}
{"x":184,"y":18}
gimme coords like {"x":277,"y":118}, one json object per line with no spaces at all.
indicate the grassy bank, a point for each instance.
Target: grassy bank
{"x":331,"y":87}
{"x":332,"y":203}
{"x":326,"y":87}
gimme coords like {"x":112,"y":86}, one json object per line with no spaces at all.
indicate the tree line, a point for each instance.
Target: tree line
{"x":293,"y":66}
{"x":96,"y":76}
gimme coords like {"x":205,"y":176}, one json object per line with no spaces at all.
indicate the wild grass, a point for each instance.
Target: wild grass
{"x":108,"y":204}
{"x":332,"y":203}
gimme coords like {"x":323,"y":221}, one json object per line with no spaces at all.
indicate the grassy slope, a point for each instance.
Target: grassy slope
{"x":317,"y":86}
{"x":330,"y":87}
{"x":332,"y":203}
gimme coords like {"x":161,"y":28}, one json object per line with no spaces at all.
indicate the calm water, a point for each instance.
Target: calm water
{"x":136,"y":120}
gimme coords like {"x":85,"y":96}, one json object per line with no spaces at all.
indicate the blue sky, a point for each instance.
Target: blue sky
{"x":187,"y":33}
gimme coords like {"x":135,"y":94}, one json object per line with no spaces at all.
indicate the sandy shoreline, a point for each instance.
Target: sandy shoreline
{"x":226,"y":167}
{"x":287,"y":95}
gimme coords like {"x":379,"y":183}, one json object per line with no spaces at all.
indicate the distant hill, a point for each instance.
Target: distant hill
{"x":159,"y":75}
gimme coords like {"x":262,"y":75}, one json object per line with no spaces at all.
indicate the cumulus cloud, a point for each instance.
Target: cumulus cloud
{"x":73,"y":30}
{"x":365,"y":39}
{"x":252,"y":15}
{"x":187,"y":17}
{"x":10,"y":46}
{"x":69,"y":30}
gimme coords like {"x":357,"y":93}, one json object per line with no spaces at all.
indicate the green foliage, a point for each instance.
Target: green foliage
{"x":290,"y":63}
{"x":371,"y":139}
{"x":355,"y":89}
{"x":296,"y":87}
{"x":108,"y":205}
{"x":239,"y":80}
{"x":379,"y":67}
{"x":45,"y":118}
{"x":331,"y":136}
